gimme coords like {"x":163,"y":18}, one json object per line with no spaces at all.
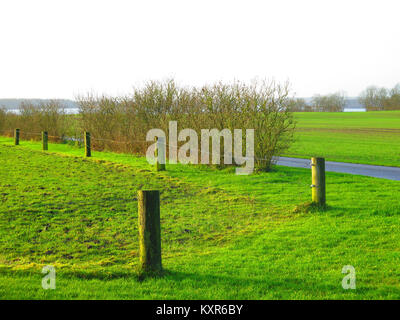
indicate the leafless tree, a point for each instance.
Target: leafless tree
{"x":373,"y":98}
{"x":334,"y":102}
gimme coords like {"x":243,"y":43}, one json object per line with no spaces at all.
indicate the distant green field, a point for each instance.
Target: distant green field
{"x":224,"y":236}
{"x":358,"y":137}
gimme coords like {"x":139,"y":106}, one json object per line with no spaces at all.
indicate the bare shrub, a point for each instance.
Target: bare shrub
{"x":100,"y":116}
{"x":393,"y":100}
{"x":299,"y":105}
{"x":373,"y":98}
{"x":33,"y":118}
{"x":127,"y":119}
{"x":2,"y":119}
{"x":263,"y":106}
{"x":121,"y":123}
{"x":267,"y":110}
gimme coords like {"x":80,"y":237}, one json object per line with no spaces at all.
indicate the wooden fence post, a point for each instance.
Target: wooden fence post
{"x":160,"y":154}
{"x":318,"y":181}
{"x":16,"y":137}
{"x":149,"y":231}
{"x":45,"y":139}
{"x":88,"y":150}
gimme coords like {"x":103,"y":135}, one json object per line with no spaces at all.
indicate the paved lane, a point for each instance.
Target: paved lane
{"x":391,"y":173}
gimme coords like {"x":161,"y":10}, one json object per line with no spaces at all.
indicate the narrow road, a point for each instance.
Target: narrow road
{"x":391,"y":173}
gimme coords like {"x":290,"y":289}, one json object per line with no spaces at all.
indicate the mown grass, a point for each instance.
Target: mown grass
{"x":358,"y":137}
{"x":223,"y":236}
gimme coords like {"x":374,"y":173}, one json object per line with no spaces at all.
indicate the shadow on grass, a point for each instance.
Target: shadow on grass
{"x":270,"y":285}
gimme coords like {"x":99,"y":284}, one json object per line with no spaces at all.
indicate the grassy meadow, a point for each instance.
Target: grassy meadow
{"x":357,"y":137}
{"x":224,"y":236}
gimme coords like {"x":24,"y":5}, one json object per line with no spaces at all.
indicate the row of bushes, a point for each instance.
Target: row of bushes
{"x":262,"y":106}
{"x":34,"y":118}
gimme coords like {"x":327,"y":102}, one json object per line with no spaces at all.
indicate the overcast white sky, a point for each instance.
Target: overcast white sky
{"x":57,"y":48}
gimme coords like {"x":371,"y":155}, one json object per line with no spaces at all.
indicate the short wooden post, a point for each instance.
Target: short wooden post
{"x":149,"y":231}
{"x":45,"y":139}
{"x":160,"y":154}
{"x":318,"y":181}
{"x":16,"y":137}
{"x":88,"y":150}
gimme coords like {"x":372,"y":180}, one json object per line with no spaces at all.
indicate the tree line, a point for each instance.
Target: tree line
{"x":121,"y":123}
{"x":373,"y":98}
{"x":376,"y":98}
{"x":334,"y":102}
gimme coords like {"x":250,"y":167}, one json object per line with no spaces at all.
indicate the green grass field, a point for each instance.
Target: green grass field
{"x":358,"y":137}
{"x":223,"y":236}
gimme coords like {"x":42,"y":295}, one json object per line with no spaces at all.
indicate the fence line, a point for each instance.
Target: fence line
{"x":256,"y":158}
